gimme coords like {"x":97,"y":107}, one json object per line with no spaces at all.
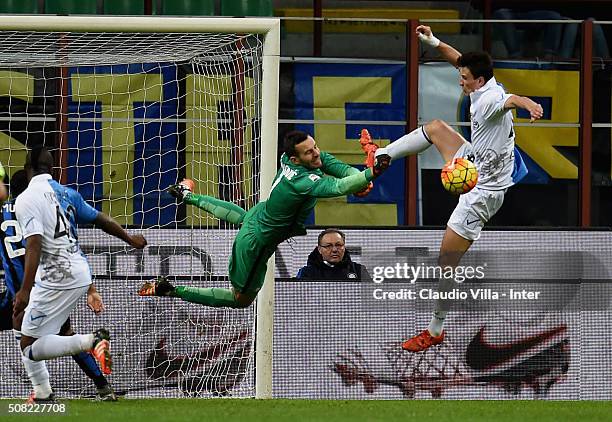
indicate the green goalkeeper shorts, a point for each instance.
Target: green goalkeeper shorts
{"x":249,"y":261}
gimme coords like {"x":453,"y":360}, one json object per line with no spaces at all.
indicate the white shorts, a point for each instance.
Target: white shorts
{"x":474,"y":209}
{"x":49,"y":309}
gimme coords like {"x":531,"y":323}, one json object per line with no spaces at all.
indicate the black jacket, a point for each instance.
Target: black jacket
{"x":317,"y":269}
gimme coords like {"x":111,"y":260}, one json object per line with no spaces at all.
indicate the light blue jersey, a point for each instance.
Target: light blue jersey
{"x":51,"y":210}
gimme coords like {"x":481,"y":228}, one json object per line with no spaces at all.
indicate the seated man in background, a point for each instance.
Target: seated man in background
{"x":331,"y":261}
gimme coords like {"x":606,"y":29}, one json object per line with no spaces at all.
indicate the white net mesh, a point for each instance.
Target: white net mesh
{"x":127,"y":115}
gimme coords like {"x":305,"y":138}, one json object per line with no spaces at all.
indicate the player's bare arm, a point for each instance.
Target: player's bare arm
{"x":32,"y":259}
{"x":535,"y":110}
{"x":110,"y":226}
{"x":426,"y":36}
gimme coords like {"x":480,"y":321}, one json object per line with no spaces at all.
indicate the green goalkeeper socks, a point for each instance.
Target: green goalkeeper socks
{"x":211,"y":296}
{"x":224,"y":210}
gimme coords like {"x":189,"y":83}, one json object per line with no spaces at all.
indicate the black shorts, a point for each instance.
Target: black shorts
{"x":6,"y":313}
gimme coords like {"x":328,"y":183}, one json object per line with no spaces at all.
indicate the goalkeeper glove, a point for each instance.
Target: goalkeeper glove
{"x":365,"y":191}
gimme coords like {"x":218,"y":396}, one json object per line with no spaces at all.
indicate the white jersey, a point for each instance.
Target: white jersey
{"x":492,"y":136}
{"x":52,"y":211}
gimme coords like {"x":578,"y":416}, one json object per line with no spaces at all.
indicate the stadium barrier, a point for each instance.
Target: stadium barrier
{"x":337,"y":340}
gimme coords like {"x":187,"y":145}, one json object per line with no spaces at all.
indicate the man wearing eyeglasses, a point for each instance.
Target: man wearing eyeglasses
{"x":331,"y":261}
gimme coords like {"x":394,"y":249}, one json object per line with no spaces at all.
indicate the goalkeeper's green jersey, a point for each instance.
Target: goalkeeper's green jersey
{"x":294,"y":195}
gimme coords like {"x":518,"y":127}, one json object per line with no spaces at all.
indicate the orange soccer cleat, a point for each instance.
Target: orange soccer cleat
{"x":101,"y":350}
{"x":377,"y":164}
{"x":158,"y":287}
{"x":368,"y":147}
{"x":422,"y":341}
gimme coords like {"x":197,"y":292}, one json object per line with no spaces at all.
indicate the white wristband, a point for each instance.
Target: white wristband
{"x":430,"y":40}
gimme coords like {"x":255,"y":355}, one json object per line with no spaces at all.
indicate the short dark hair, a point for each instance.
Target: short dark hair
{"x":291,"y":140}
{"x":39,"y":159}
{"x":328,"y":231}
{"x":479,"y":63}
{"x":19,"y":182}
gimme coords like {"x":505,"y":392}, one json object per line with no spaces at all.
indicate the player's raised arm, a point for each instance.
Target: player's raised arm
{"x":516,"y":101}
{"x":447,"y":51}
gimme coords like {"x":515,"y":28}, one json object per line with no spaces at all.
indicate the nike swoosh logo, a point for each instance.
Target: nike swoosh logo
{"x":472,"y":222}
{"x":481,"y":355}
{"x":33,"y":318}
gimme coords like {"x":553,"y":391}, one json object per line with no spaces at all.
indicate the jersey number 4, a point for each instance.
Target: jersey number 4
{"x":62,"y":226}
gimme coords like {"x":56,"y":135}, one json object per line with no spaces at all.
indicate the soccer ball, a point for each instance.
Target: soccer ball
{"x":459,"y":176}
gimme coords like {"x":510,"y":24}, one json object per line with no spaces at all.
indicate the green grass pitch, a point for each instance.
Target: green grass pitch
{"x":323,"y":410}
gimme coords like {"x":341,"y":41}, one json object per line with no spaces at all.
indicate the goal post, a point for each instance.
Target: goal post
{"x":261,"y":90}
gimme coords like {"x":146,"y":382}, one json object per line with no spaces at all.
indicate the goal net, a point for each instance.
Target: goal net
{"x":128,"y":112}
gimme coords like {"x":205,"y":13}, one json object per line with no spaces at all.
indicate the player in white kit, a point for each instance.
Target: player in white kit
{"x":56,"y":273}
{"x":492,"y":151}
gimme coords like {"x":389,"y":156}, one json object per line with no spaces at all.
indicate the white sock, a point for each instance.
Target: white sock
{"x":39,"y":377}
{"x":53,"y":346}
{"x":436,"y":323}
{"x":409,"y":144}
{"x":37,"y":373}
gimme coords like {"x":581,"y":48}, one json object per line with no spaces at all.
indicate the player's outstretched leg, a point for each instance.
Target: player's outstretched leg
{"x":210,"y":296}
{"x":223,"y":210}
{"x":101,"y":350}
{"x":437,"y":132}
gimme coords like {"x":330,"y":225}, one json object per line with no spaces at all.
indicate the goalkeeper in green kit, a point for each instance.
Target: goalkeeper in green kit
{"x":306,"y":174}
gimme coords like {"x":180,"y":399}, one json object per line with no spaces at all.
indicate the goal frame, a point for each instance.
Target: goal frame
{"x":270,"y":28}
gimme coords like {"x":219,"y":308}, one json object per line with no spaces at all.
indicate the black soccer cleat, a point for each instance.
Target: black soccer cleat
{"x":381,"y":164}
{"x":179,"y":191}
{"x":106,"y":393}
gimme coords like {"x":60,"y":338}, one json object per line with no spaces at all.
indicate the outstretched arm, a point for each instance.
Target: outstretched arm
{"x":110,"y":226}
{"x":335,"y":167}
{"x":516,"y":101}
{"x":446,"y":51}
{"x":330,"y":187}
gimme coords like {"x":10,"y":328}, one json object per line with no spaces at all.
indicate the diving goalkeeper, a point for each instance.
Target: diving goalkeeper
{"x":306,"y":174}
